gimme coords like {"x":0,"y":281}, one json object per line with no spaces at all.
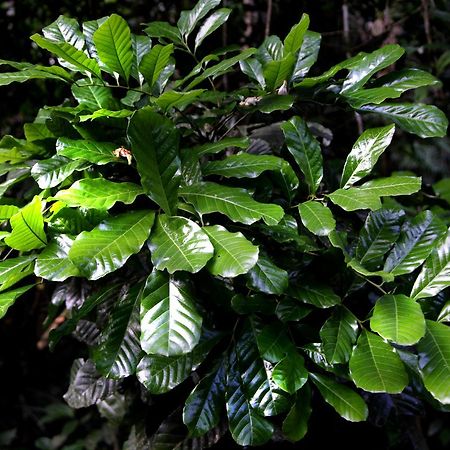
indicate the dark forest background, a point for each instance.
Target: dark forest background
{"x":32,"y":379}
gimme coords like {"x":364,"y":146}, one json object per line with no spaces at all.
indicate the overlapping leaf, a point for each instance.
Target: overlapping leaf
{"x":317,"y":218}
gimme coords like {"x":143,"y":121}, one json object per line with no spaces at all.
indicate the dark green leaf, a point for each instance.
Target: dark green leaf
{"x":353,"y":199}
{"x":266,"y":277}
{"x":8,"y":298}
{"x":295,"y":425}
{"x":317,"y":218}
{"x":164,"y":30}
{"x":214,"y":21}
{"x":277,"y":72}
{"x":290,"y":373}
{"x":95,"y":152}
{"x":189,"y":19}
{"x":319,"y":295}
{"x":307,"y":55}
{"x":154,"y":62}
{"x":253,"y":68}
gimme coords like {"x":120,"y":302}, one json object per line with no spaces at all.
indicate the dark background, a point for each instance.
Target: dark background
{"x":32,"y":381}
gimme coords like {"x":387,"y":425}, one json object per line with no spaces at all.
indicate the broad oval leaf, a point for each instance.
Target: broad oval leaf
{"x":376,"y":367}
{"x":338,"y":335}
{"x":98,"y":193}
{"x":27,"y":227}
{"x":353,"y":199}
{"x":189,"y":19}
{"x":154,"y":141}
{"x":233,"y":254}
{"x":154,"y":62}
{"x":236,"y":203}
{"x":164,"y":30}
{"x":65,"y":29}
{"x":177,"y":243}
{"x":392,"y":186}
{"x":434,"y":360}
{"x":347,"y":403}
{"x":108,"y":246}
{"x":435,"y":274}
{"x":398,"y":318}
{"x":305,"y":149}
{"x":170,"y":323}
{"x":294,"y":39}
{"x":266,"y":277}
{"x":278,"y":71}
{"x":290,"y":373}
{"x":317,"y":218}
{"x":365,"y":153}
{"x":423,"y":120}
{"x":95,"y":152}
{"x":214,"y":21}
{"x":114,"y":47}
{"x":295,"y":425}
{"x":93,"y":96}
{"x":307,"y":55}
{"x":319,"y":295}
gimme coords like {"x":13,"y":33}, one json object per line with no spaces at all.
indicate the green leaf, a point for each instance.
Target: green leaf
{"x":405,"y":79}
{"x":250,"y":304}
{"x":247,"y":427}
{"x":113,"y":42}
{"x":319,"y":295}
{"x":95,"y":152}
{"x":434,"y":360}
{"x":170,"y":322}
{"x":338,"y":334}
{"x":98,"y":193}
{"x":243,"y":165}
{"x":365,"y":153}
{"x":164,"y":30}
{"x":177,"y":243}
{"x":8,"y":298}
{"x":233,"y":254}
{"x":154,"y":62}
{"x":53,"y":171}
{"x":376,"y":96}
{"x":119,"y":351}
{"x":423,"y":120}
{"x":353,"y":199}
{"x":290,"y":310}
{"x":294,"y":40}
{"x":202,"y":410}
{"x":272,"y":340}
{"x":214,"y":21}
{"x":376,"y":367}
{"x":358,"y":268}
{"x":160,"y":374}
{"x":89,"y":28}
{"x":12,"y":270}
{"x":399,"y":319}
{"x":141,"y":46}
{"x":305,"y":149}
{"x":253,"y":69}
{"x":216,"y":147}
{"x":317,"y":218}
{"x":27,"y":228}
{"x":108,"y":246}
{"x":347,"y":403}
{"x":290,"y":373}
{"x":189,"y":19}
{"x":295,"y":425}
{"x":415,"y":243}
{"x":179,"y":100}
{"x":65,"y":29}
{"x":121,"y":114}
{"x":276,"y":72}
{"x":53,"y":263}
{"x":435,"y":274}
{"x":380,"y":231}
{"x":34,"y":73}
{"x":154,"y":141}
{"x":369,"y":65}
{"x":274,"y":102}
{"x":307,"y":55}
{"x":236,"y":203}
{"x":266,"y":277}
{"x":395,"y":185}
{"x":69,"y":53}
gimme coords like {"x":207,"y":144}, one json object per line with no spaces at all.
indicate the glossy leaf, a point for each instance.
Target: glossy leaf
{"x":141,"y":46}
{"x":8,"y":298}
{"x":189,"y":19}
{"x":216,"y":147}
{"x":415,"y":243}
{"x":398,"y":318}
{"x":365,"y":153}
{"x":376,"y":367}
{"x":233,"y":254}
{"x":244,"y":165}
{"x":290,"y":373}
{"x":434,"y":360}
{"x":12,"y":270}
{"x":295,"y":425}
{"x":98,"y":193}
{"x":27,"y":228}
{"x":202,"y":410}
{"x":170,"y":322}
{"x":178,"y":100}
{"x":347,"y":403}
{"x":253,"y":69}
{"x":121,"y":114}
{"x":53,"y":171}
{"x":405,"y":79}
{"x":423,"y":120}
{"x":307,"y":55}
{"x":177,"y":243}
{"x":317,"y":218}
{"x":154,"y":141}
{"x":435,"y":274}
{"x":338,"y":334}
{"x":392,"y":186}
{"x":95,"y":152}
{"x":272,"y":340}
{"x":34,"y":73}
{"x":65,"y":29}
{"x":154,"y":62}
{"x":119,"y":351}
{"x":278,"y":71}
{"x":266,"y":277}
{"x":353,"y":199}
{"x":378,"y":235}
{"x":113,"y":43}
{"x":305,"y":149}
{"x":93,"y":96}
{"x":214,"y":21}
{"x":53,"y":262}
{"x":319,"y":295}
{"x":294,"y":39}
{"x":236,"y":203}
{"x":108,"y":246}
{"x":164,"y":30}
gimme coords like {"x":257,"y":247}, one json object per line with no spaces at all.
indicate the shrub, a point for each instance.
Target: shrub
{"x":214,"y":239}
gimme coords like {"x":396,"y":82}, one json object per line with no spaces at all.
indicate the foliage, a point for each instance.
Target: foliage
{"x":221,"y":242}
